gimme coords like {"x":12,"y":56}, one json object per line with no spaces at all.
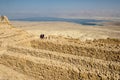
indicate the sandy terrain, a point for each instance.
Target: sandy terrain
{"x":71,"y":30}
{"x":59,"y":56}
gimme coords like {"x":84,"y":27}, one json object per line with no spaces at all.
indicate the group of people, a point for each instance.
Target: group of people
{"x":42,"y":36}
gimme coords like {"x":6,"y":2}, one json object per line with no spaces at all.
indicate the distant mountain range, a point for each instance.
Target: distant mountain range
{"x":79,"y":21}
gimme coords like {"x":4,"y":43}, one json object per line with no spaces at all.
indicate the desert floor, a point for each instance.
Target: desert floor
{"x":71,"y":30}
{"x":69,"y":51}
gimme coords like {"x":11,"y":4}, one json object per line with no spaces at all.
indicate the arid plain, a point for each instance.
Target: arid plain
{"x":69,"y":51}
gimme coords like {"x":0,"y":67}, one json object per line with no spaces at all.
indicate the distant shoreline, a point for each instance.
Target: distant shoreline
{"x":91,"y":22}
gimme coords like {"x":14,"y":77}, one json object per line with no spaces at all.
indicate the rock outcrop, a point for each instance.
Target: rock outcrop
{"x":4,"y":20}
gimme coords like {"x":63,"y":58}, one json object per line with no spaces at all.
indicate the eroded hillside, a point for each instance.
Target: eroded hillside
{"x":25,"y":57}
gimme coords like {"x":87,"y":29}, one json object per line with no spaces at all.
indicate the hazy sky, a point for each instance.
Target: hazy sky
{"x":60,"y":8}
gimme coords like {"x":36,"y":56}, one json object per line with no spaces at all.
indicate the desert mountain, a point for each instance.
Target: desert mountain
{"x":25,"y":57}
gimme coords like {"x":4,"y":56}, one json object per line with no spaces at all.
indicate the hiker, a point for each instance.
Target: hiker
{"x":42,"y":36}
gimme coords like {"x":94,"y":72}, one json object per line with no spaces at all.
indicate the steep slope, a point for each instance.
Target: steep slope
{"x":25,"y":57}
